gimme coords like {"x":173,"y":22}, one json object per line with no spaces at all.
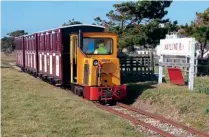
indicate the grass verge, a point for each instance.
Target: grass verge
{"x":31,"y":107}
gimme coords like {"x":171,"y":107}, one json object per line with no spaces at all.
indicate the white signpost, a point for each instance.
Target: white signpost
{"x":184,"y":47}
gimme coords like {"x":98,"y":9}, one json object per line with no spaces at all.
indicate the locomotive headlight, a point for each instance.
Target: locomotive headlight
{"x":95,"y":62}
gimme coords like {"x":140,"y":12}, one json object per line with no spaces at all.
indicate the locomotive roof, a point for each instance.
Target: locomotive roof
{"x":76,"y":25}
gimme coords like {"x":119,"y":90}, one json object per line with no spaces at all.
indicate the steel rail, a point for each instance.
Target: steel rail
{"x":134,"y":120}
{"x":162,"y":119}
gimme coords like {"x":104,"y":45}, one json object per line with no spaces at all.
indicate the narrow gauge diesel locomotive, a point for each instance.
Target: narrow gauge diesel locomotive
{"x":67,"y":56}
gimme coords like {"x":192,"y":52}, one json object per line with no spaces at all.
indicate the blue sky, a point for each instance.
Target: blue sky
{"x":37,"y":16}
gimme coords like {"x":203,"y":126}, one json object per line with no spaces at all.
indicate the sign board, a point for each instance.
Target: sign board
{"x":176,"y":46}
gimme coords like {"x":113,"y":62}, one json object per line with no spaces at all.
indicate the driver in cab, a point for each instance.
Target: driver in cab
{"x":101,"y":49}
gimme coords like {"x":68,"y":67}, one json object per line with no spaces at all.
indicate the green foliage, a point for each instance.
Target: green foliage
{"x":202,"y":19}
{"x":17,"y":33}
{"x":71,"y":22}
{"x":138,"y":23}
{"x":7,"y":43}
{"x":199,"y":29}
{"x":201,"y":34}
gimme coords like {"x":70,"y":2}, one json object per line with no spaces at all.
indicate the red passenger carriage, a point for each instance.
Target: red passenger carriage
{"x":20,"y":58}
{"x":49,"y":54}
{"x":31,"y":62}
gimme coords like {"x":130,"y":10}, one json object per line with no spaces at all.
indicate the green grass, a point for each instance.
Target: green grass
{"x":201,"y":84}
{"x":31,"y":107}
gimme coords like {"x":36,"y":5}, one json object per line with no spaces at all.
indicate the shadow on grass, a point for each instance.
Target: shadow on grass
{"x":134,"y":90}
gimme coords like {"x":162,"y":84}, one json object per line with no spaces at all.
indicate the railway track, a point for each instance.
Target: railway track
{"x":153,"y":125}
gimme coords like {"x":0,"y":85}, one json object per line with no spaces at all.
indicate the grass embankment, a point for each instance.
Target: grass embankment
{"x":31,"y":107}
{"x":7,"y":59}
{"x":174,"y":102}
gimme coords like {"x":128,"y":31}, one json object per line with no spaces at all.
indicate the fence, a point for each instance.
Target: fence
{"x":201,"y":65}
{"x":137,"y":68}
{"x":140,"y":68}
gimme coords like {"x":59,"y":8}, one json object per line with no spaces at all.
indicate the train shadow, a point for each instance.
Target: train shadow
{"x":134,"y":90}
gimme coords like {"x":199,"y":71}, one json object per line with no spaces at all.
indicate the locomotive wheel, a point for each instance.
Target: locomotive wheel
{"x":112,"y":102}
{"x":78,"y":91}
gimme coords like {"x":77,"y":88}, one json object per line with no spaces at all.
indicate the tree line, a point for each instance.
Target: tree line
{"x":140,"y":23}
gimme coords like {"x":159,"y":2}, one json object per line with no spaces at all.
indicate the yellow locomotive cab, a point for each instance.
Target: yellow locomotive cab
{"x":95,"y":68}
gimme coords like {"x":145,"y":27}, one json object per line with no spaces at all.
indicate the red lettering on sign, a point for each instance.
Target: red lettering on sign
{"x":174,"y":46}
{"x":165,"y":46}
{"x":179,"y":46}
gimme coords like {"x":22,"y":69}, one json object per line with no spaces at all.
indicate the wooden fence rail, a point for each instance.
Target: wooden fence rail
{"x":136,"y":69}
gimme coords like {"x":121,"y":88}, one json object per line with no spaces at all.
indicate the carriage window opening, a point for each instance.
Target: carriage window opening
{"x":39,"y":38}
{"x":54,"y":36}
{"x":42,"y":41}
{"x":57,"y":41}
{"x":51,"y":41}
{"x":27,"y":44}
{"x":45,"y":42}
{"x":32,"y":43}
{"x":29,"y":41}
{"x":21,"y":44}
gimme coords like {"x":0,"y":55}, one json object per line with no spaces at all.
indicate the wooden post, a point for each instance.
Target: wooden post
{"x":131,"y":64}
{"x":160,"y":75}
{"x":191,"y":67}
